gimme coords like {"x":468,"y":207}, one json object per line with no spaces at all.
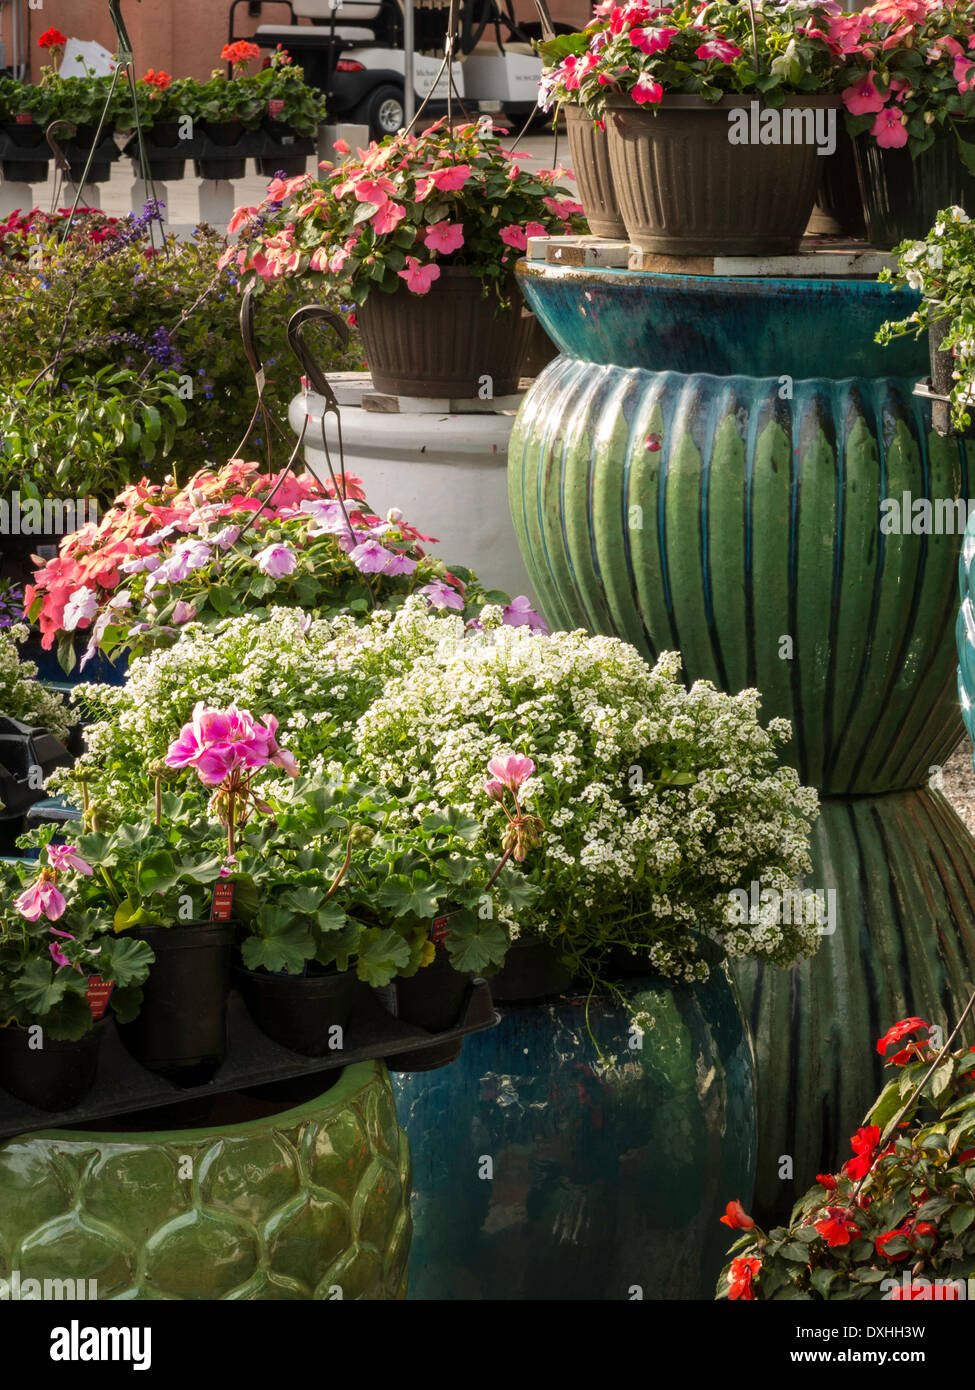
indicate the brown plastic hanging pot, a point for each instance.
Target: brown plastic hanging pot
{"x":451,"y":342}
{"x":589,"y":148}
{"x":685,"y":190}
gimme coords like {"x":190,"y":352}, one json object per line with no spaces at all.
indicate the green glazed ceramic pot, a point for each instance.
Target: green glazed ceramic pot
{"x":310,"y":1203}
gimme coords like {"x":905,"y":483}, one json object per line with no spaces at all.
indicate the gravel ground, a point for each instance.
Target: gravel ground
{"x":959,"y":783}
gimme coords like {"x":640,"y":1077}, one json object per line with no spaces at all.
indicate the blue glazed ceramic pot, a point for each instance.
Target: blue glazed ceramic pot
{"x":540,"y":1173}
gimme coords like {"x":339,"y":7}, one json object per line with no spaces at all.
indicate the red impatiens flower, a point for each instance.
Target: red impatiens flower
{"x":835,"y":1228}
{"x":826,"y":1180}
{"x":883,"y":1241}
{"x":52,"y":38}
{"x":863,"y":1144}
{"x":743,"y":1270}
{"x":899,"y":1031}
{"x":735,"y":1217}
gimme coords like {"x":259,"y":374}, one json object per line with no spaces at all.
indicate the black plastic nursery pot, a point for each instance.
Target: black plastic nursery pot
{"x":942,"y":384}
{"x":181,"y":1029}
{"x":224,"y":166}
{"x":433,"y":999}
{"x":532,"y":970}
{"x":291,"y":155}
{"x":53,"y":1076}
{"x":902,"y":196}
{"x":299,"y":1011}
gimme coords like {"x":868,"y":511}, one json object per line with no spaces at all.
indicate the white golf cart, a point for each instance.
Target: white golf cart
{"x":358,"y":51}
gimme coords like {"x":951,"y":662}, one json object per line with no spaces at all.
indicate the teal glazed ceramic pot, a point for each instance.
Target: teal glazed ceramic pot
{"x":541,"y":1173}
{"x":729,"y":468}
{"x":309,"y":1203}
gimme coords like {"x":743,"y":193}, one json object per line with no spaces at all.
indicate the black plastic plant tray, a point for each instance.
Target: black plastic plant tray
{"x":123,"y":1086}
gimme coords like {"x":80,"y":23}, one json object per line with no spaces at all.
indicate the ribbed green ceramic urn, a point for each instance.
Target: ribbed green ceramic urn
{"x":309,"y":1203}
{"x":733,"y":468}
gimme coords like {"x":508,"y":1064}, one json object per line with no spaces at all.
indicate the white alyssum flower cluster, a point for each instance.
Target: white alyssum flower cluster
{"x":656,"y":800}
{"x":21,"y":694}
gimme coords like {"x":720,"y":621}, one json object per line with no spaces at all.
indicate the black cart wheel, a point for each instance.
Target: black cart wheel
{"x":382,"y":111}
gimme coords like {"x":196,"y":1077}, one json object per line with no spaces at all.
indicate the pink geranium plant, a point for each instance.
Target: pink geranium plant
{"x":399,"y":212}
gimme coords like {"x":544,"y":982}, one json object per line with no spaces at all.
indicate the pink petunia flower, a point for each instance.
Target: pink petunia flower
{"x":418,"y":278}
{"x":445,"y":237}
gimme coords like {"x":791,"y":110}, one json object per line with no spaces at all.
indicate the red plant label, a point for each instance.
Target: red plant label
{"x":438,"y":928}
{"x":223,"y":902}
{"x":275,"y":106}
{"x":24,"y":118}
{"x":98,"y":993}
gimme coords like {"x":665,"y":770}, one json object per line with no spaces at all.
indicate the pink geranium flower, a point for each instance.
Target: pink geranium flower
{"x":890,"y":129}
{"x":863,"y":97}
{"x":445,"y":237}
{"x":219,"y":742}
{"x":58,"y":955}
{"x":646,"y":90}
{"x":40,"y":898}
{"x":67,"y":857}
{"x":511,"y":770}
{"x":418,"y":278}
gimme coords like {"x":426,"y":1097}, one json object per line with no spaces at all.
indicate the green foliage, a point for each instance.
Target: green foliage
{"x":165,"y":319}
{"x":88,"y":435}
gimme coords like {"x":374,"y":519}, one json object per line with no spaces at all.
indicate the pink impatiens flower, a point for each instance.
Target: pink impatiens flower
{"x":520,"y":613}
{"x":511,"y":770}
{"x":652,"y":40}
{"x":276,"y":561}
{"x":418,"y":278}
{"x":388,"y":218}
{"x":81,"y":607}
{"x":718,"y":48}
{"x":183,"y":613}
{"x":451,"y":179}
{"x":890,"y":129}
{"x":40,"y":898}
{"x":445,"y":237}
{"x":370,"y":557}
{"x":441,"y":595}
{"x":645,"y":89}
{"x":863,"y":97}
{"x":514,"y":236}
